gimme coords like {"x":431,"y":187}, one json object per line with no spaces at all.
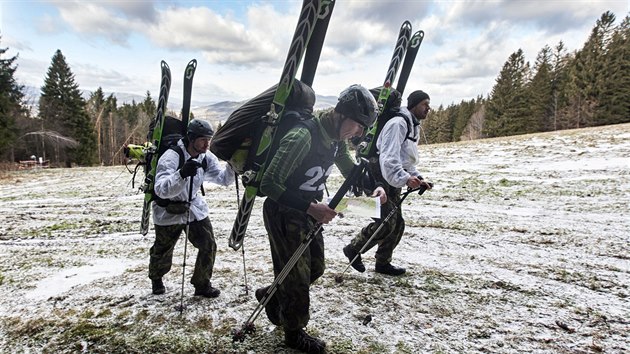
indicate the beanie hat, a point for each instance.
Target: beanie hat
{"x":415,"y":98}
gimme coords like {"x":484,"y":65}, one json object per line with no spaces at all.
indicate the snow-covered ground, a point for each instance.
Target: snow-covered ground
{"x":522,"y":246}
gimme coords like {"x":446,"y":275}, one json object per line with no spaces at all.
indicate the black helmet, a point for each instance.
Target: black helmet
{"x":357,"y":103}
{"x":198,"y":128}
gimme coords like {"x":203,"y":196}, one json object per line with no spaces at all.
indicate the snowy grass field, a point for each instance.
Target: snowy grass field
{"x":522,"y":246}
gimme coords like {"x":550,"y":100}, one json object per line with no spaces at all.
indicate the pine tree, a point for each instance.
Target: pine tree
{"x":589,"y":74}
{"x":559,"y":82}
{"x":507,"y":112}
{"x":430,"y":127}
{"x":465,"y":111}
{"x":11,"y":102}
{"x":541,"y":93}
{"x":148,"y":106}
{"x":614,"y":99}
{"x":62,"y":109}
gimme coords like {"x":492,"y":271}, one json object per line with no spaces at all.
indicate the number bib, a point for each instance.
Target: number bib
{"x":310,"y":176}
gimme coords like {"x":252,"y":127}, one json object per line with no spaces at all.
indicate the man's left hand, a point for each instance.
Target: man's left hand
{"x":380,"y":192}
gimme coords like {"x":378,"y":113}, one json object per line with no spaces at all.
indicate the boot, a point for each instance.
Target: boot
{"x":207,"y":291}
{"x":349,"y":252}
{"x":158,"y":286}
{"x":272,"y":306}
{"x":301,"y":341}
{"x":389,"y":269}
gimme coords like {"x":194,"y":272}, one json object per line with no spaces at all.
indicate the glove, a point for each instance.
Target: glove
{"x":189,"y":169}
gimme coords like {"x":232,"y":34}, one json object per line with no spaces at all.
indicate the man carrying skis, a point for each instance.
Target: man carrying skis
{"x":395,"y":168}
{"x":172,"y":212}
{"x":294,"y":184}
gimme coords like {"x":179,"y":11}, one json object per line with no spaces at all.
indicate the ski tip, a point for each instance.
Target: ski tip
{"x":406,"y":24}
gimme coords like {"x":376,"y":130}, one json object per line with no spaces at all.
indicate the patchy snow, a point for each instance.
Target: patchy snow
{"x":522,"y":246}
{"x":65,"y":280}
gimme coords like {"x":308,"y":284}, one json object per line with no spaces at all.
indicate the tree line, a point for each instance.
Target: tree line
{"x":561,"y":90}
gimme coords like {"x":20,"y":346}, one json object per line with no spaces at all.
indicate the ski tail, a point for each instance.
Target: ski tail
{"x":260,"y":147}
{"x":316,"y":43}
{"x":367,"y":148}
{"x":189,"y":73}
{"x":154,"y":136}
{"x":410,"y":58}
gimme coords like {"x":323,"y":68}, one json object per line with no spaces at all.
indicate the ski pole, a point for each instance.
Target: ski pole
{"x":248,"y":327}
{"x":181,"y":300}
{"x":382,"y":223}
{"x":238,"y":200}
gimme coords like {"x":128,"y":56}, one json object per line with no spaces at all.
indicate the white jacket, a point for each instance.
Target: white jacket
{"x":397,"y":155}
{"x":170,"y":185}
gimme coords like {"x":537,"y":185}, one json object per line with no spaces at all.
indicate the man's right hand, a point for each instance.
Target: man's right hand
{"x":190,"y":168}
{"x":321,"y":212}
{"x":414,"y":182}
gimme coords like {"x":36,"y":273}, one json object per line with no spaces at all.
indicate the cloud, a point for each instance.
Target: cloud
{"x":549,"y":16}
{"x":135,"y":10}
{"x":110,"y":80}
{"x":92,"y":19}
{"x":363,"y":28}
{"x":14,"y":45}
{"x":384,"y":12}
{"x":49,"y":25}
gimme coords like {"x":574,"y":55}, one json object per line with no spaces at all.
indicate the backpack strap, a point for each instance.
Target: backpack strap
{"x":412,"y":122}
{"x":180,"y":153}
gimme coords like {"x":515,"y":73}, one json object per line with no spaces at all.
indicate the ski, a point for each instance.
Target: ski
{"x":189,"y":73}
{"x":410,"y":58}
{"x":154,"y":136}
{"x":368,"y":145}
{"x":311,"y":11}
{"x":316,"y":43}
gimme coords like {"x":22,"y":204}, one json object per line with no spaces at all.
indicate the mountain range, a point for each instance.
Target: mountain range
{"x":214,"y":112}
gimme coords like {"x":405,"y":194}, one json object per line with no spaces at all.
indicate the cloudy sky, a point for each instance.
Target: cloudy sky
{"x":241,"y":45}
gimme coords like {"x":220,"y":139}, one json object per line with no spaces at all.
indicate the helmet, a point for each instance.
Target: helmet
{"x":357,"y":103}
{"x":198,"y":128}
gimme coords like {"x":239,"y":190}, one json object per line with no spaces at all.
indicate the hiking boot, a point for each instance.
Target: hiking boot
{"x":349,"y":252}
{"x":157,"y":286}
{"x":301,"y":341}
{"x":271,"y":308}
{"x":207,"y":291}
{"x":389,"y":269}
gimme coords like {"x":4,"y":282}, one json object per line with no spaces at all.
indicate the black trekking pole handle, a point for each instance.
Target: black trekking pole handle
{"x":248,"y":327}
{"x":384,"y":221}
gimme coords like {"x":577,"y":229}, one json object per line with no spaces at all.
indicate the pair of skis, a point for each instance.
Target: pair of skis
{"x":307,"y":43}
{"x":406,"y":49}
{"x":155,"y":134}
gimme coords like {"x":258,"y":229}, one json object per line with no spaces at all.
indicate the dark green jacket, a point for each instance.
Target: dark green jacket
{"x":293,"y":172}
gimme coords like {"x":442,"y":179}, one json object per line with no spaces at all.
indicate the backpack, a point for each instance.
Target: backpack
{"x":233,"y":140}
{"x":172,"y":132}
{"x":391,"y":109}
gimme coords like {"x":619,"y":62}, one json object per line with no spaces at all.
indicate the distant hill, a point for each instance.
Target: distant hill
{"x":213,"y":112}
{"x":220,"y":111}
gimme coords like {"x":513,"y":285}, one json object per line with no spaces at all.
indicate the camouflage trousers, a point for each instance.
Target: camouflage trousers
{"x":389,"y":236}
{"x":200,"y":235}
{"x":287,"y":228}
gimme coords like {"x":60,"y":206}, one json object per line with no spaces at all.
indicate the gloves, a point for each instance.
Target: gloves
{"x":189,"y":169}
